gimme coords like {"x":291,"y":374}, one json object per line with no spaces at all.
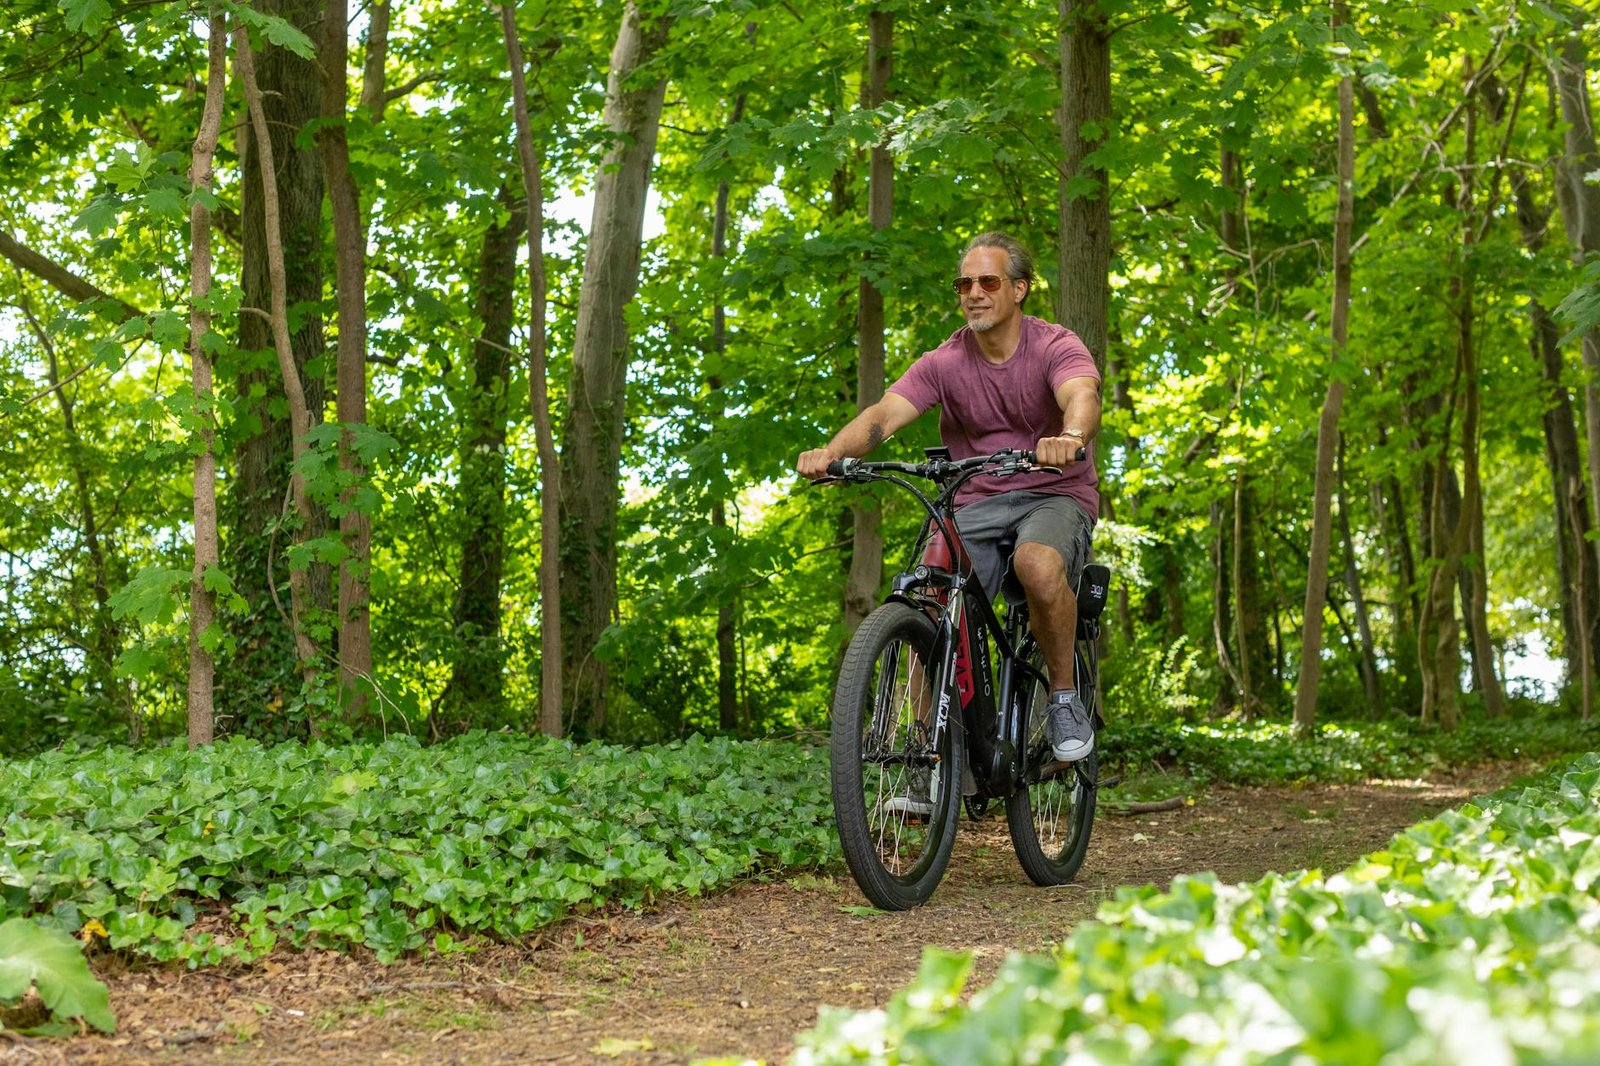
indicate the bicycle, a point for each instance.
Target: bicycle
{"x":926,"y":646}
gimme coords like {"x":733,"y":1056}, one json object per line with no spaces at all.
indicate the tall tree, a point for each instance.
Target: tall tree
{"x":477,"y":679}
{"x":350,"y":272}
{"x":1439,"y":636}
{"x":1576,"y":550}
{"x":1579,"y":197}
{"x":203,"y":599}
{"x":866,"y":553}
{"x":1367,"y":661}
{"x":1305,"y":706}
{"x":728,"y":703}
{"x":1083,"y":247}
{"x":300,"y":597}
{"x":261,"y":670}
{"x":551,"y":690}
{"x":597,"y":396}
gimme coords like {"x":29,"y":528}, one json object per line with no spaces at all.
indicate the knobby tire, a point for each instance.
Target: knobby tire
{"x":1051,"y":816}
{"x":883,"y":710}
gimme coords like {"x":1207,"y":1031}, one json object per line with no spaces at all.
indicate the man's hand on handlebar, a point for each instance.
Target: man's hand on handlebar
{"x":814,"y":463}
{"x":1059,"y":451}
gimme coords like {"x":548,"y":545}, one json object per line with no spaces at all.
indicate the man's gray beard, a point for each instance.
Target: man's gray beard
{"x":981,"y":325}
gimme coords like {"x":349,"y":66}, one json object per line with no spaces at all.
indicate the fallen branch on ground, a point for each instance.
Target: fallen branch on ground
{"x":1171,"y":803}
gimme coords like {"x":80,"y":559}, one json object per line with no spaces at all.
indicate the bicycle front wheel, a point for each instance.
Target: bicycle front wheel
{"x":1051,"y":815}
{"x":896,"y":786}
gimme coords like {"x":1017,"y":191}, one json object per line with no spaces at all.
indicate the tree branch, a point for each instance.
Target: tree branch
{"x":391,"y":95}
{"x":60,"y":277}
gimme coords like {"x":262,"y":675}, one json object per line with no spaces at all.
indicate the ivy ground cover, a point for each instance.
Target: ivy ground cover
{"x":1264,"y":753}
{"x":1474,"y":937}
{"x":223,"y":852}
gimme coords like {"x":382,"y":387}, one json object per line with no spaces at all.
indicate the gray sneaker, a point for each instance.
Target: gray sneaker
{"x":1068,"y":727}
{"x":916,"y":800}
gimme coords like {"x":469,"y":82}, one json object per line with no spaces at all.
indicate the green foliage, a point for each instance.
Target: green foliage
{"x":1581,"y":308}
{"x":32,"y":955}
{"x":1470,"y":938}
{"x":388,"y":845}
{"x":1148,"y":683}
{"x":1219,"y":335}
{"x":1272,"y":753}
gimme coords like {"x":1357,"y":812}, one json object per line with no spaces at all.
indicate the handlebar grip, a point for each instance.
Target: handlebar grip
{"x":840,"y":467}
{"x":1083,"y":453}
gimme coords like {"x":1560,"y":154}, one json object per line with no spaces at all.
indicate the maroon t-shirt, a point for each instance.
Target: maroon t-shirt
{"x":986,"y":407}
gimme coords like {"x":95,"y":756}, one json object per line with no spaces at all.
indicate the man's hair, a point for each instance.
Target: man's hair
{"x":1019,"y":261}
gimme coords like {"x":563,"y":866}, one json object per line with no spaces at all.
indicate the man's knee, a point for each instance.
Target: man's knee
{"x":1040,"y":569}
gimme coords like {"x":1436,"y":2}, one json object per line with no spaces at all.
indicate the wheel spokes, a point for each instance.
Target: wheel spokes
{"x":896,"y":746}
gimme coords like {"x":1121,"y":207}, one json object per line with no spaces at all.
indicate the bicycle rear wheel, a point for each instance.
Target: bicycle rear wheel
{"x":1051,"y":816}
{"x":896,"y":789}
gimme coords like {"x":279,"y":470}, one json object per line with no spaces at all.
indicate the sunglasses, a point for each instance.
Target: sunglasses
{"x":990,"y":282}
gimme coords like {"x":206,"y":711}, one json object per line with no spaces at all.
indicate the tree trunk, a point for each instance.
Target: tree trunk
{"x":1083,"y":247}
{"x":1476,"y":602}
{"x":1368,"y":662}
{"x":728,"y":716}
{"x":261,"y":668}
{"x":597,"y":395}
{"x":1221,"y":609}
{"x":1250,"y":630}
{"x":1580,"y":590}
{"x":866,"y":553}
{"x":476,"y":691}
{"x":1403,"y":559}
{"x":350,"y":269}
{"x":1441,"y":675}
{"x":377,"y":54}
{"x":1576,"y":555}
{"x":1258,"y":691}
{"x":1476,"y":611}
{"x":301,"y":604}
{"x":552,"y":721}
{"x":1580,"y":210}
{"x":202,"y":600}
{"x":1305,"y":705}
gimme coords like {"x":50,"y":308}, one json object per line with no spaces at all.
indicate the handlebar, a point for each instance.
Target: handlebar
{"x":1006,"y":461}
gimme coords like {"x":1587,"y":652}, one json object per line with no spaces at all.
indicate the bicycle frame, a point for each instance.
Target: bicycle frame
{"x":942,"y":583}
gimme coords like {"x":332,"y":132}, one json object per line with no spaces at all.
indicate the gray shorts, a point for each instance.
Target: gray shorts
{"x":1024,"y":517}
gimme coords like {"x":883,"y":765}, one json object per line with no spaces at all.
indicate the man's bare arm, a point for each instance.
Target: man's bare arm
{"x":1079,"y":400}
{"x":865,"y":432}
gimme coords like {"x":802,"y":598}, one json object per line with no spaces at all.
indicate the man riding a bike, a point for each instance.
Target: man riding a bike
{"x":1009,"y":380}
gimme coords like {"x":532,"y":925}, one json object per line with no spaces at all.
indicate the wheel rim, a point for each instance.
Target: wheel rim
{"x":1052,"y":800}
{"x":895,"y":747}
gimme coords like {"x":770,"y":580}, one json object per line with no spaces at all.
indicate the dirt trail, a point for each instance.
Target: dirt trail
{"x":737,"y":974}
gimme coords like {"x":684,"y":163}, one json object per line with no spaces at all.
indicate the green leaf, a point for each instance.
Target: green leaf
{"x":100,"y":215}
{"x":33,"y":956}
{"x":170,"y":329}
{"x":277,"y":30}
{"x":152,"y":596}
{"x":140,"y":661}
{"x":1581,"y":308}
{"x":85,"y":16}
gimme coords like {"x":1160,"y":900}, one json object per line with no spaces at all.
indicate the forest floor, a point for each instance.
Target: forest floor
{"x":739,"y":973}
